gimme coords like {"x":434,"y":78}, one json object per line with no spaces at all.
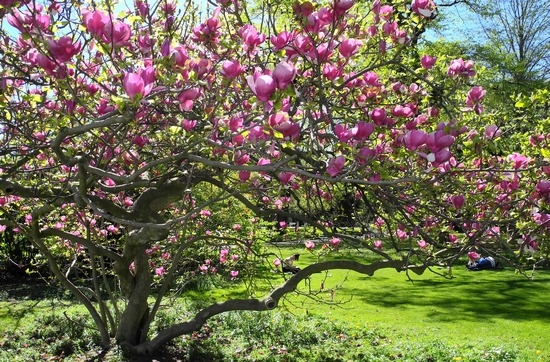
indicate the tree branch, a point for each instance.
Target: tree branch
{"x":270,"y":301}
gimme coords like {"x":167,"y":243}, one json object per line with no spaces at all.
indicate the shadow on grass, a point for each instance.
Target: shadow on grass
{"x":469,"y":296}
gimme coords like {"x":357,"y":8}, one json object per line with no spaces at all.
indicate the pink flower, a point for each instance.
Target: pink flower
{"x":349,"y":47}
{"x":423,"y":8}
{"x":116,"y":34}
{"x":422,"y":244}
{"x":95,"y":22}
{"x":543,"y":188}
{"x":277,"y":262}
{"x":187,"y":98}
{"x":178,"y":54}
{"x":474,"y":98}
{"x":237,"y":227}
{"x":135,"y":86}
{"x":284,"y":74}
{"x":244,"y":175}
{"x":205,"y":213}
{"x":241,"y":157}
{"x":286,"y":177}
{"x":427,"y":61}
{"x":281,"y":40}
{"x":309,"y":245}
{"x":336,"y":165}
{"x":140,"y":141}
{"x":234,"y":274}
{"x":250,"y":36}
{"x":492,"y":131}
{"x":439,"y":140}
{"x":160,"y":271}
{"x":262,"y":86}
{"x":378,"y":116}
{"x":63,"y":49}
{"x":377,"y":244}
{"x":364,"y":130}
{"x":461,"y":68}
{"x":188,"y":124}
{"x":232,"y":69}
{"x":414,"y":139}
{"x":458,"y":201}
{"x":342,"y":6}
{"x":334,"y":242}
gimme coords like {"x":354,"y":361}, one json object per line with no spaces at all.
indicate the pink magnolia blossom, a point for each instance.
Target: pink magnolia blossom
{"x":277,"y":262}
{"x":160,"y":271}
{"x":234,"y":274}
{"x":334,"y":242}
{"x":244,"y":175}
{"x":188,"y":124}
{"x":336,"y":165}
{"x":438,"y":140}
{"x":95,"y":22}
{"x":422,"y":244}
{"x":281,"y":40}
{"x":187,"y":98}
{"x":377,"y":244}
{"x":284,"y":74}
{"x":364,"y":130}
{"x":423,"y":8}
{"x":262,"y":85}
{"x":135,"y":86}
{"x":241,"y":157}
{"x":232,"y":69}
{"x":286,"y":177}
{"x":140,"y":141}
{"x":461,"y":68}
{"x":492,"y":131}
{"x":414,"y":139}
{"x":250,"y":36}
{"x":543,"y":188}
{"x":349,"y":47}
{"x":519,"y":160}
{"x":63,"y":49}
{"x":427,"y":61}
{"x":309,"y":245}
{"x":116,"y":34}
{"x":458,"y":201}
{"x":474,"y":98}
{"x":378,"y":116}
{"x":342,"y":6}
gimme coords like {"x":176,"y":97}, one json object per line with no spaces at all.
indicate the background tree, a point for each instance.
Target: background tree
{"x":130,"y":137}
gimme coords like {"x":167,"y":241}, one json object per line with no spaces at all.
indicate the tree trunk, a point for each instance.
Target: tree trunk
{"x":135,"y":314}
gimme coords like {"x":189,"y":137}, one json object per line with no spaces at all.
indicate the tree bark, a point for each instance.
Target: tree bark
{"x":130,"y":328}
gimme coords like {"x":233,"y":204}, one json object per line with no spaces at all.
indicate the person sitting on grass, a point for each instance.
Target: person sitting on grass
{"x":288,"y":264}
{"x":482,"y":264}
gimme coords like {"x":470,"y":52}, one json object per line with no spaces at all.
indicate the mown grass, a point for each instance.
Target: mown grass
{"x":475,"y":316}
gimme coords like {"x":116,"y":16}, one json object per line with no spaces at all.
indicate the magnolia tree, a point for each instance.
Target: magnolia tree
{"x":127,"y":133}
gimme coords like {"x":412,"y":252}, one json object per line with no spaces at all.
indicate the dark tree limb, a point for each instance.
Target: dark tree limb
{"x":269,"y":302}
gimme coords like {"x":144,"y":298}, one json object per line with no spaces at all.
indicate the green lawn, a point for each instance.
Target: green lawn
{"x":493,"y":308}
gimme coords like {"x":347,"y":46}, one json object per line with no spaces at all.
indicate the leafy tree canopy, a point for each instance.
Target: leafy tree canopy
{"x":151,"y":146}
